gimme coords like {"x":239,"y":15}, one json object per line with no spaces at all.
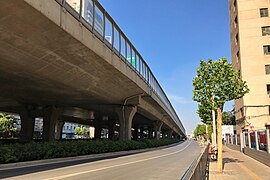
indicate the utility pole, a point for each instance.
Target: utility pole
{"x":214,"y":125}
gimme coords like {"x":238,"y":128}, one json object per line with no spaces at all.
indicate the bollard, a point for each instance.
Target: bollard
{"x":242,"y":137}
{"x":231,"y":139}
{"x":267,"y":140}
{"x":256,"y":140}
{"x":249,"y":141}
{"x":235,"y":136}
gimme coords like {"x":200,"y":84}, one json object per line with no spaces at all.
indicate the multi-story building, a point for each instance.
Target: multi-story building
{"x":250,"y":46}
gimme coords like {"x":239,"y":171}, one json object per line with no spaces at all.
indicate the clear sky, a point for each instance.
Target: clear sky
{"x":173,"y":36}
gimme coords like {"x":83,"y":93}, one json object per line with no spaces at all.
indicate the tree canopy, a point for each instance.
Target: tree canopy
{"x":216,"y":83}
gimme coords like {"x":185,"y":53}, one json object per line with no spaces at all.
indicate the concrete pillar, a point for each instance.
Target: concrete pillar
{"x":126,"y":115}
{"x":50,"y":117}
{"x":150,"y":133}
{"x":235,"y":136}
{"x":170,"y":132}
{"x":98,"y":128}
{"x":135,"y":132}
{"x":249,"y":141}
{"x":242,"y":137}
{"x":27,"y":126}
{"x":256,"y":140}
{"x":157,"y":127}
{"x":141,"y":132}
{"x":111,"y":129}
{"x":59,"y":130}
{"x":267,"y":140}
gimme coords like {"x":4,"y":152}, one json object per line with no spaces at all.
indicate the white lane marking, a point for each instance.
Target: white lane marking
{"x":118,"y":165}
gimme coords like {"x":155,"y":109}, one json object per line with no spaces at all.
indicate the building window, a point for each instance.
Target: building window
{"x":236,"y":39}
{"x":266,"y":30}
{"x":268,"y":89}
{"x":235,"y":22}
{"x":267,"y":69}
{"x":266,"y":50}
{"x":264,"y":12}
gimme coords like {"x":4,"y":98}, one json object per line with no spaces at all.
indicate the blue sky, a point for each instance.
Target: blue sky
{"x":173,"y":36}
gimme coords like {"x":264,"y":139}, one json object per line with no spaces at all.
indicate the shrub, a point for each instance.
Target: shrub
{"x":39,"y":150}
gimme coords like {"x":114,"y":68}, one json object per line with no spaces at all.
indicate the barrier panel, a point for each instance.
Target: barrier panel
{"x":198,"y":168}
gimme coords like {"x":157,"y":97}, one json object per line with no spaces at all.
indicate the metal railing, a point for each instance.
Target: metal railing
{"x":93,"y":16}
{"x":198,"y":168}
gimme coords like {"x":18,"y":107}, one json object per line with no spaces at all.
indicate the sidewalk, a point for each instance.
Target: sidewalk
{"x":238,"y":166}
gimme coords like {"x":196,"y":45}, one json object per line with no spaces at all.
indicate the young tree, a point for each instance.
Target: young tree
{"x":216,"y":83}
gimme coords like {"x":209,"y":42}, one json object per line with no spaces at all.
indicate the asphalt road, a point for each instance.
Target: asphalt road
{"x":169,"y":163}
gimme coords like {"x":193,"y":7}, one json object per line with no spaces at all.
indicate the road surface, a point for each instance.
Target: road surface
{"x":168,"y":163}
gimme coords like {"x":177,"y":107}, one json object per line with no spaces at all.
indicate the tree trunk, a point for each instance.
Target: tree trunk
{"x":219,"y":129}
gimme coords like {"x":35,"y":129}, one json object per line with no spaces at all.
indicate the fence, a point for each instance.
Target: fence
{"x":198,"y":168}
{"x":255,"y":144}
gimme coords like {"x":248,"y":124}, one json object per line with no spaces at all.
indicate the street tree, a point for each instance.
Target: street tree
{"x":77,"y":130}
{"x":228,"y":118}
{"x":80,"y":131}
{"x":200,"y":130}
{"x":7,"y":125}
{"x":216,"y":83}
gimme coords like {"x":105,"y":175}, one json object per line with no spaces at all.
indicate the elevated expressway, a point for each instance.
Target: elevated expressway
{"x":68,"y":61}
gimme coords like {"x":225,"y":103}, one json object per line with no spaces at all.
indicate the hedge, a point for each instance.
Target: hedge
{"x":39,"y":150}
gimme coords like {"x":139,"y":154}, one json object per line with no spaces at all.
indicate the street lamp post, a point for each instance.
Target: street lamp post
{"x":214,"y":125}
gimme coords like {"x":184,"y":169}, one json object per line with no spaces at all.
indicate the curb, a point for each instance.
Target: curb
{"x":94,"y":157}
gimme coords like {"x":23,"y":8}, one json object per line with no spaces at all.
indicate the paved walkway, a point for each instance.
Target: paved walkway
{"x":238,"y":166}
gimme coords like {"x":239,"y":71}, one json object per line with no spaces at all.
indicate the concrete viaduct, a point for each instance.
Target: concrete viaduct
{"x":68,"y":61}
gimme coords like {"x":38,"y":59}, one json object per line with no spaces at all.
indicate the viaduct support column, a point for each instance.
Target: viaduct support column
{"x":170,"y":133}
{"x":158,"y":126}
{"x":111,"y":129}
{"x":59,"y":130}
{"x":135,"y":133}
{"x":50,"y":117}
{"x":150,"y":133}
{"x":126,"y":115}
{"x":98,"y":129}
{"x":27,"y":126}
